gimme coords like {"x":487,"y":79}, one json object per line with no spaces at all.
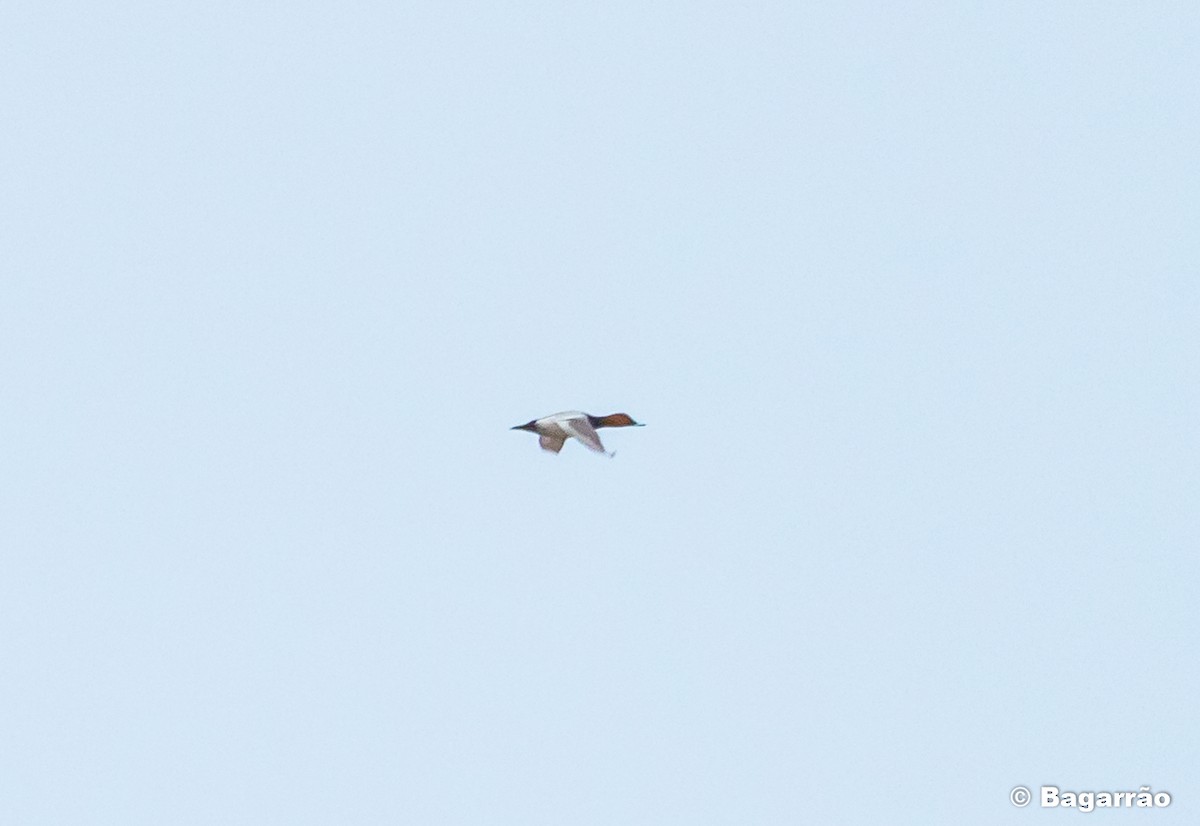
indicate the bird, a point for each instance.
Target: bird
{"x":553,"y":431}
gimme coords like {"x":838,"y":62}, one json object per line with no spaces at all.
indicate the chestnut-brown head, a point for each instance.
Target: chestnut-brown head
{"x":614,"y":420}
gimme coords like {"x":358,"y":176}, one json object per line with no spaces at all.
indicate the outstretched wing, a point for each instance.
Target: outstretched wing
{"x":582,"y":430}
{"x":551,"y":443}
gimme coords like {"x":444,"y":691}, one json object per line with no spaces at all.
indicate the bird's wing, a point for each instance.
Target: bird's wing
{"x":551,"y":443}
{"x":582,"y":430}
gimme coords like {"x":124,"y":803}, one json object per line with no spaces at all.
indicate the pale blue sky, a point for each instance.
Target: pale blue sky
{"x":907,"y":295}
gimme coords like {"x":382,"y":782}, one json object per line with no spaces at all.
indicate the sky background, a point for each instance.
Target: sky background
{"x":907,"y":295}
